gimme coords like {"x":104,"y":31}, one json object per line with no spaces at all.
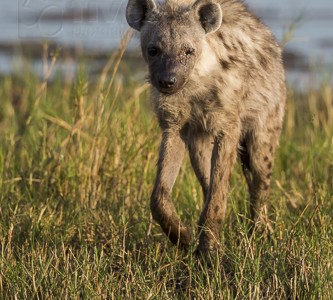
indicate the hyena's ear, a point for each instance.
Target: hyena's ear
{"x":137,"y":11}
{"x":209,"y":14}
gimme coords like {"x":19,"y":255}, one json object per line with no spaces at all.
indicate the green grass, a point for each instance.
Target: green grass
{"x":77,"y":165}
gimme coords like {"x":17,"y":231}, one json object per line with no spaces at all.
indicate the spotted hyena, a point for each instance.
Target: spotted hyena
{"x":218,"y":89}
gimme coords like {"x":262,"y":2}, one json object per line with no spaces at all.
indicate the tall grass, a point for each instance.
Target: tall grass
{"x":77,"y":164}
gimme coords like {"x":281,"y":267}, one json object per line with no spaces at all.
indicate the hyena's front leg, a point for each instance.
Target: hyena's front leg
{"x":170,"y":159}
{"x":211,"y":219}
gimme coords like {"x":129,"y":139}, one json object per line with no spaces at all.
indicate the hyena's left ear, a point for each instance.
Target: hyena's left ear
{"x":137,"y":10}
{"x":209,"y":14}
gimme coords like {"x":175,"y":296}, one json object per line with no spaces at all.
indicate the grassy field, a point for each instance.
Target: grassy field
{"x":77,"y":164}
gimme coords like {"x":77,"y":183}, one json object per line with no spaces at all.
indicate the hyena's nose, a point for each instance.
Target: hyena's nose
{"x":167,"y":81}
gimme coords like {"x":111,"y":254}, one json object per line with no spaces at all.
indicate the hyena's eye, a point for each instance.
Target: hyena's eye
{"x":153,"y":51}
{"x":190,"y":51}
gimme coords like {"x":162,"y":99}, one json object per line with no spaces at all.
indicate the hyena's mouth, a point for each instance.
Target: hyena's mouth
{"x":169,"y":89}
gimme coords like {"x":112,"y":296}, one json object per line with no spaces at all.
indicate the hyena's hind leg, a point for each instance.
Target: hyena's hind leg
{"x":200,"y":149}
{"x":257,"y":158}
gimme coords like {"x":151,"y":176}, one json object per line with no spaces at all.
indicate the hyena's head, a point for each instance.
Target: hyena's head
{"x":173,"y":38}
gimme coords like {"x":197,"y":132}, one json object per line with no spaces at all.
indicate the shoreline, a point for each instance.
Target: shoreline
{"x":16,"y":56}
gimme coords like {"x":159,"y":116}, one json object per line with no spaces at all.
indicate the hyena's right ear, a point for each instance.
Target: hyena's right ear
{"x":137,"y":11}
{"x":209,"y":14}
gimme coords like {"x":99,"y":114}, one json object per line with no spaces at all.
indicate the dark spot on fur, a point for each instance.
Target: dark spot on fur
{"x":221,"y":36}
{"x":214,"y":93}
{"x":227,"y":46}
{"x":241,"y":45}
{"x":233,"y":59}
{"x":266,"y":159}
{"x":269,"y":165}
{"x":213,"y":98}
{"x":225,"y":65}
{"x":262,"y":60}
{"x":271,"y":51}
{"x":219,"y":221}
{"x":269,"y":175}
{"x":216,"y":209}
{"x":271,"y":149}
{"x":266,"y":187}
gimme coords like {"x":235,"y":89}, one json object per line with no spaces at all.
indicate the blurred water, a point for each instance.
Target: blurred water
{"x":93,"y":24}
{"x":313,"y":35}
{"x":100,"y":24}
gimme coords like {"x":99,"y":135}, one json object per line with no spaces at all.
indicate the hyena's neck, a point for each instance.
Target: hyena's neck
{"x":207,"y":63}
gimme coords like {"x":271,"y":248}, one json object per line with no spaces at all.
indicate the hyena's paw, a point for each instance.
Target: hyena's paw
{"x":208,"y":249}
{"x":176,"y":230}
{"x":178,"y":233}
{"x":208,"y":257}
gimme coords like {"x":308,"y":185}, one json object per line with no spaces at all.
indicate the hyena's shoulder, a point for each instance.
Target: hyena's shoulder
{"x":244,"y":44}
{"x":242,"y":31}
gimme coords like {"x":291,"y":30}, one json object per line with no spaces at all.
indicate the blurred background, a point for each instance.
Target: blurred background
{"x":83,"y":28}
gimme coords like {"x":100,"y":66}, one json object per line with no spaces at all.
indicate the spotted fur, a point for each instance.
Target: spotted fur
{"x":218,"y":89}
